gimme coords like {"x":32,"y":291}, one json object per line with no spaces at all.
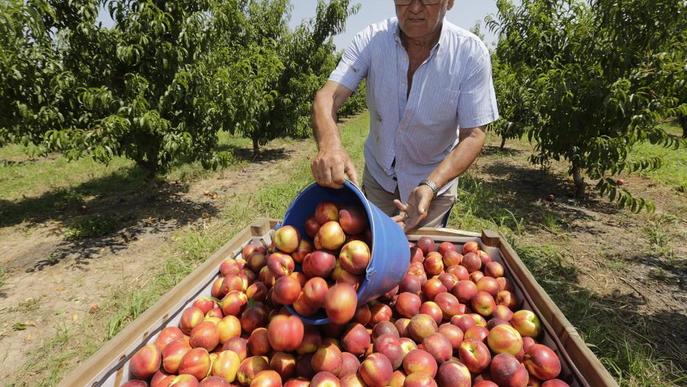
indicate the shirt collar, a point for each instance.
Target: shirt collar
{"x":442,"y":34}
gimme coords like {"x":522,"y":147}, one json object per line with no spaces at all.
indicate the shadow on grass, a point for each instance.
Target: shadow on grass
{"x":246,"y":154}
{"x":105,"y":213}
{"x":637,"y":348}
{"x":534,"y":196}
{"x":489,"y":150}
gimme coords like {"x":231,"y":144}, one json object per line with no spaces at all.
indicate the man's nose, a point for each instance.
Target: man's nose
{"x":416,"y":6}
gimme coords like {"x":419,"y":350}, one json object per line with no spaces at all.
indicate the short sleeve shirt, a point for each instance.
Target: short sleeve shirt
{"x":410,"y":136}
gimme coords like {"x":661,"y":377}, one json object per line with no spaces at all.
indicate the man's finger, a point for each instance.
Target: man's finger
{"x":351,"y":172}
{"x":338,"y":175}
{"x":400,"y":205}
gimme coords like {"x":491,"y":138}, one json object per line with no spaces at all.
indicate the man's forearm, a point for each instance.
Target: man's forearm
{"x":324,"y":122}
{"x":460,"y":159}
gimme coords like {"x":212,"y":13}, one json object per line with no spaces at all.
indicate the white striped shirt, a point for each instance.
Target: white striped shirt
{"x":410,"y":136}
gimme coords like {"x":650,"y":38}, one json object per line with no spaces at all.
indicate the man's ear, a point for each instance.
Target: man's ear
{"x":450,"y":4}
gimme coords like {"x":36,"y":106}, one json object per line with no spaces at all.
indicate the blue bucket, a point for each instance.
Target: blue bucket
{"x":390,"y":253}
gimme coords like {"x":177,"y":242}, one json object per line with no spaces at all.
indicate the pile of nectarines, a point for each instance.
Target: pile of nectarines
{"x":454,"y":320}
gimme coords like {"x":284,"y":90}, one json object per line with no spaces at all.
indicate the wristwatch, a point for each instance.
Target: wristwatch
{"x":432,"y":185}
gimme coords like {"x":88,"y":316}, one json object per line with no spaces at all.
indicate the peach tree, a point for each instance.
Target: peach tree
{"x":595,"y":78}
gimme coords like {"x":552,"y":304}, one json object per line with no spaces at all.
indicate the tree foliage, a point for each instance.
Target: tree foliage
{"x":592,"y":79}
{"x":160,"y":84}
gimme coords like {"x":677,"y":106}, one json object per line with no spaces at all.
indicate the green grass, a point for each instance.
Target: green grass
{"x":190,"y":247}
{"x":91,"y":227}
{"x":673,"y":171}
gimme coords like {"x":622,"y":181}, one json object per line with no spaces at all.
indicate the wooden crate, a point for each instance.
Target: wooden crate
{"x":108,"y":366}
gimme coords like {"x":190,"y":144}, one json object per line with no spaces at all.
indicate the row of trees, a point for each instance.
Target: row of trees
{"x":586,"y":80}
{"x":159,"y":85}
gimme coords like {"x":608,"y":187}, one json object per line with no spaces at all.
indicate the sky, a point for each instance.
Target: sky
{"x":465,"y":13}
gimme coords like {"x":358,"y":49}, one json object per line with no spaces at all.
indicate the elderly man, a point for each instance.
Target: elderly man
{"x":430,"y":95}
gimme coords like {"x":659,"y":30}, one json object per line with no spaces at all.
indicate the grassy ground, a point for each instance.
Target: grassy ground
{"x":501,"y":192}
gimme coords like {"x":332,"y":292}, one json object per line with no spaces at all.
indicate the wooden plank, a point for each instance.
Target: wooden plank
{"x":119,"y":349}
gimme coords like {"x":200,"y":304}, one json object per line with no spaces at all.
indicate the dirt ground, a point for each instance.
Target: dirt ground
{"x":52,"y":281}
{"x":631,"y":268}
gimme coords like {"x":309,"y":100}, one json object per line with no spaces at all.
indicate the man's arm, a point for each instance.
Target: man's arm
{"x":454,"y":165}
{"x":332,"y":163}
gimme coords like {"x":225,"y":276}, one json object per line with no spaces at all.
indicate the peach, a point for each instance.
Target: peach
{"x":408,"y":304}
{"x":526,"y":322}
{"x":452,"y":333}
{"x":454,"y":374}
{"x":376,"y":370}
{"x":381,"y":312}
{"x":184,"y":380}
{"x":384,"y":328}
{"x":470,"y":246}
{"x":251,"y":248}
{"x":452,"y":258}
{"x":285,"y":333}
{"x":258,"y":342}
{"x":325,"y":212}
{"x":266,"y":378}
{"x":419,"y":360}
{"x":280,"y":264}
{"x":250,"y":367}
{"x":256,"y":261}
{"x":483,"y":303}
{"x":472,"y":262}
{"x":390,"y":346}
{"x":449,"y":304}
{"x":166,"y":336}
{"x":319,"y":264}
{"x":542,"y":362}
{"x":353,"y":220}
{"x":507,"y":298}
{"x":173,"y":353}
{"x":504,"y":338}
{"x":397,"y":379}
{"x":196,"y":362}
{"x":506,"y":370}
{"x":341,"y":303}
{"x":438,"y":346}
{"x":226,"y":365}
{"x":330,"y":236}
{"x":489,"y":285}
{"x":233,"y":303}
{"x":419,"y":379}
{"x":328,"y":358}
{"x":432,"y":287}
{"x":311,"y":341}
{"x":476,"y":333}
{"x":190,"y":318}
{"x":356,"y":339}
{"x":255,"y":316}
{"x":311,"y":226}
{"x":421,"y":326}
{"x":448,"y":280}
{"x":286,"y":290}
{"x":325,"y":379}
{"x":355,"y":256}
{"x":145,"y":362}
{"x":287,"y":239}
{"x":349,"y":364}
{"x":352,"y":380}
{"x":459,"y":271}
{"x":217,"y":289}
{"x":304,"y":248}
{"x":238,"y":345}
{"x":432,"y":309}
{"x":284,"y":363}
{"x":426,"y":244}
{"x":465,"y":290}
{"x":433,"y":263}
{"x":205,"y":335}
{"x":475,"y":355}
{"x":229,"y":266}
{"x":257,"y":291}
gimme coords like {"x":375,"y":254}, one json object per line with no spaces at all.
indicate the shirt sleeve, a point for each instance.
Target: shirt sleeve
{"x":477,"y":100}
{"x":355,"y":62}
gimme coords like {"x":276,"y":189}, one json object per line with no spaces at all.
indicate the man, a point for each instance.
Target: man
{"x":430,"y":95}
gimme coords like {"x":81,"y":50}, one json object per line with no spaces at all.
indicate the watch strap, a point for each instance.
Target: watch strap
{"x":432,"y":185}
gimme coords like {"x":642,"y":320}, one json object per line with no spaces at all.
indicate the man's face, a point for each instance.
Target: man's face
{"x":418,"y":20}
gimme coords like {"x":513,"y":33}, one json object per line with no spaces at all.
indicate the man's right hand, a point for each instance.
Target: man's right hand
{"x":331,"y":167}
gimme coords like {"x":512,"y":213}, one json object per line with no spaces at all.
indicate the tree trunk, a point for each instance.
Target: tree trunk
{"x":580,"y":185}
{"x":503,"y":142}
{"x":683,"y":122}
{"x":256,"y":148}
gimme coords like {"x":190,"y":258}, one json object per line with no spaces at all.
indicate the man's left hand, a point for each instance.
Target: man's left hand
{"x":411,"y":214}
